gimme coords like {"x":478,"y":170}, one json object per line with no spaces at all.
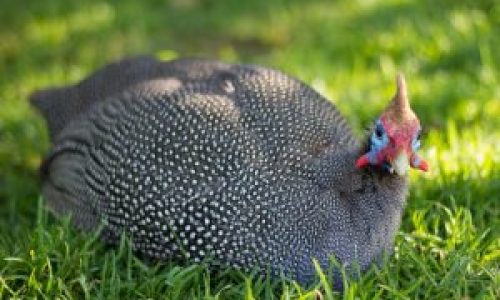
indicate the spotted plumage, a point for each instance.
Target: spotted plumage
{"x":197,"y":160}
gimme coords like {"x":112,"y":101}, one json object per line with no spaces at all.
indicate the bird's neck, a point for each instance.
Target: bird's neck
{"x":366,"y":205}
{"x":336,"y":169}
{"x":365,"y":189}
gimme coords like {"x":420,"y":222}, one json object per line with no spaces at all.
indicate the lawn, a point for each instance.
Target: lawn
{"x":449,"y":244}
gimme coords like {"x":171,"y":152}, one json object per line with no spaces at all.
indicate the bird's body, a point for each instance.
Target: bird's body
{"x":201,"y":160}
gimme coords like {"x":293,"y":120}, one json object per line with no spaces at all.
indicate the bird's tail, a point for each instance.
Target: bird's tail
{"x":58,"y":106}
{"x":62,"y":170}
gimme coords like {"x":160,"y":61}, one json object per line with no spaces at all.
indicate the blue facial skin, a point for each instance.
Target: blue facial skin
{"x":415,"y":145}
{"x":378,"y":141}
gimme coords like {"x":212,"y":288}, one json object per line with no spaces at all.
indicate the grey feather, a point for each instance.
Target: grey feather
{"x":198,"y":159}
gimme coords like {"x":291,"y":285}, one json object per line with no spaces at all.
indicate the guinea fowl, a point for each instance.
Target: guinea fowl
{"x":237,"y":165}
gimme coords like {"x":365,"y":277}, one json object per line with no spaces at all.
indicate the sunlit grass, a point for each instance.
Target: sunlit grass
{"x":448,"y":246}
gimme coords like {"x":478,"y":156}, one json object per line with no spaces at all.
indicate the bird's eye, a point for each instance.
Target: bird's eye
{"x":379,"y":131}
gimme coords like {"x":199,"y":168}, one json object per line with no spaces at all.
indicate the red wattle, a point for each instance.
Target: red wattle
{"x":362,"y":162}
{"x":424,"y":166}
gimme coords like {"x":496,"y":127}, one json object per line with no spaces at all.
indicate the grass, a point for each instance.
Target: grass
{"x":449,"y":244}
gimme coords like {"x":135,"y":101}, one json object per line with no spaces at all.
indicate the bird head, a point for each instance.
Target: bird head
{"x":395,"y":139}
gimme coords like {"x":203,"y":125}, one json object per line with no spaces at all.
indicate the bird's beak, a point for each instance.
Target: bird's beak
{"x":400,"y":164}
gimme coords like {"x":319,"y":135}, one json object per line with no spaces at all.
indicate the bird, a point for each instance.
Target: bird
{"x":236,"y":165}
